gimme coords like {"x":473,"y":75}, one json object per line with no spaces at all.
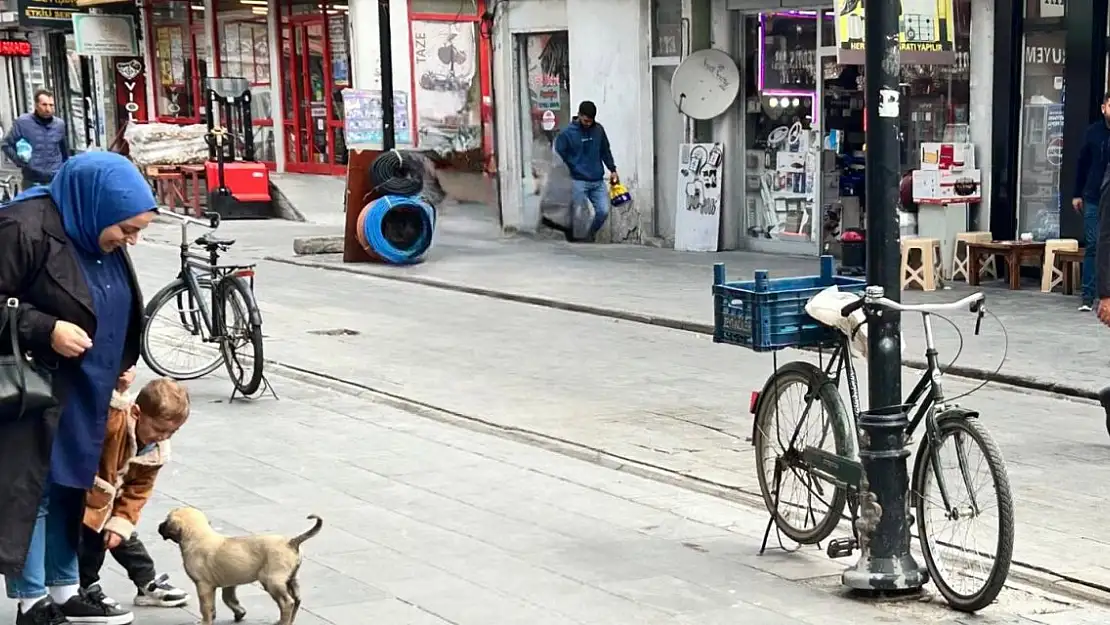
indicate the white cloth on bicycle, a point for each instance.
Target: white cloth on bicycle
{"x":825,"y":307}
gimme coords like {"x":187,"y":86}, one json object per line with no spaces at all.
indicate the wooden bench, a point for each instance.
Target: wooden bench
{"x":1070,"y":264}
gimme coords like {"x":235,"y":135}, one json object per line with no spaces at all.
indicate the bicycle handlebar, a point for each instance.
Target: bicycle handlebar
{"x":213,"y":219}
{"x":973,"y":303}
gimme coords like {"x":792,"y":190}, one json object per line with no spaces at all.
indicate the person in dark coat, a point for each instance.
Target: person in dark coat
{"x":65,"y":259}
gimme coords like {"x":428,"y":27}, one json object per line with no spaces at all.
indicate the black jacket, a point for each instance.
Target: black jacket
{"x":39,"y":267}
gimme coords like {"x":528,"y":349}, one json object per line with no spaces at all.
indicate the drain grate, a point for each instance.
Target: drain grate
{"x":335,"y":332}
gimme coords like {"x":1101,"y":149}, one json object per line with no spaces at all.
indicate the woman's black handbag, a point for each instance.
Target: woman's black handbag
{"x":24,"y":387}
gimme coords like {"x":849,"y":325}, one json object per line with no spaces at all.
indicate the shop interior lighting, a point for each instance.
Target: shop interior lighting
{"x":791,"y":93}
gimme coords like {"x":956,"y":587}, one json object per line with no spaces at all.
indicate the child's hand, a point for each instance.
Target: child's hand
{"x":112,"y":539}
{"x":125,"y":380}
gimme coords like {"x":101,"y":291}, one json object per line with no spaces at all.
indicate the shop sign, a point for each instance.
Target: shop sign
{"x":15,"y":47}
{"x":362,"y":119}
{"x":926,"y":36}
{"x":1044,"y":55}
{"x":697,"y":220}
{"x":104,"y":35}
{"x":130,"y":80}
{"x":46,"y":13}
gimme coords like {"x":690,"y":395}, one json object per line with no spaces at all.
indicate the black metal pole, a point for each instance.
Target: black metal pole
{"x":885,"y":563}
{"x":385,"y":36}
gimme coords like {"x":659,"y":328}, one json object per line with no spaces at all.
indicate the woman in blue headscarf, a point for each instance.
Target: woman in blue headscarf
{"x":63,"y":255}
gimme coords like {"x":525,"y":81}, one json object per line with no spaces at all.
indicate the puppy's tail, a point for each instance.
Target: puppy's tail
{"x":297,"y":541}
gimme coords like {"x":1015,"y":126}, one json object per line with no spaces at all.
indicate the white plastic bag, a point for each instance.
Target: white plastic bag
{"x":825,"y":307}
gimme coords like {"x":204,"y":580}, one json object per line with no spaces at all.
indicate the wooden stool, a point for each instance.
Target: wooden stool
{"x":959,"y":255}
{"x":926,"y":274}
{"x":1070,"y":264}
{"x":1051,"y":275}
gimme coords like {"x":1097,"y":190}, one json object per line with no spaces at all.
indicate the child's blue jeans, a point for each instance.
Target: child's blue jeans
{"x":52,"y":557}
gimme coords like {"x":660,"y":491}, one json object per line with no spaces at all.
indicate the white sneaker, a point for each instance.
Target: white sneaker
{"x":1084,"y":308}
{"x":161,"y":594}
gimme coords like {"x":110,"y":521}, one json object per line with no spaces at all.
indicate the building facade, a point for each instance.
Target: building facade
{"x":993,"y":78}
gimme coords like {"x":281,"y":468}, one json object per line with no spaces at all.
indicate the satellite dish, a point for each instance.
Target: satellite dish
{"x":705,"y":84}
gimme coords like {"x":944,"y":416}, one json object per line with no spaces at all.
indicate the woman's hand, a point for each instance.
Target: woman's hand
{"x":125,"y":380}
{"x":69,"y":340}
{"x":111,"y":540}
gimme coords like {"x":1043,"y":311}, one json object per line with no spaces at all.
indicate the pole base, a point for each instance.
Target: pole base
{"x":889,"y":575}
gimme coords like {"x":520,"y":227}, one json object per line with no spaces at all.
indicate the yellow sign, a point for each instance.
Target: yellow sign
{"x":926,"y":31}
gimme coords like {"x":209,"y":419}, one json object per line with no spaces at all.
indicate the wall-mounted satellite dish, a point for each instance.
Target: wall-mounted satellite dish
{"x":705,"y":84}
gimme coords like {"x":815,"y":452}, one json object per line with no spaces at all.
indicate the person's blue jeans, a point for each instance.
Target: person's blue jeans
{"x":52,"y":557}
{"x":1090,"y":267}
{"x":598,"y":194}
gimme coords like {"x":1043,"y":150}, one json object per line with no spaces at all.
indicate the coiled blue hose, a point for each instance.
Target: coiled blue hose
{"x":376,"y":212}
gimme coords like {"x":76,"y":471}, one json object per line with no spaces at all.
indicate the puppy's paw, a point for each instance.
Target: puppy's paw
{"x":239,"y":614}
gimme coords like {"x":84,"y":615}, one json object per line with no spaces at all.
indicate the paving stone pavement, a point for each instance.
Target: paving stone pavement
{"x":426,"y":524}
{"x":1048,"y":342}
{"x":639,"y":394}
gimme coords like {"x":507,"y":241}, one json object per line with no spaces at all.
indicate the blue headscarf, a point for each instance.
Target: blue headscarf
{"x":94,"y":191}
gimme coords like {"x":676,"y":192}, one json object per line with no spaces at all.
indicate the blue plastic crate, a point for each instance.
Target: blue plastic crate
{"x":764,"y":314}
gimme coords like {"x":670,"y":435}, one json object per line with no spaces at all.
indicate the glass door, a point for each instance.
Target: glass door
{"x":543,"y":69}
{"x":308,"y":88}
{"x":781,"y":135}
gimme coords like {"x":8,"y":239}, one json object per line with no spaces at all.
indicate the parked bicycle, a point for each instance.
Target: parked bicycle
{"x":817,"y":458}
{"x":211,"y":304}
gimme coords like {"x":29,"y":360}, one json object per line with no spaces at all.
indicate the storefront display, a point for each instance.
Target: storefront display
{"x":804,"y":166}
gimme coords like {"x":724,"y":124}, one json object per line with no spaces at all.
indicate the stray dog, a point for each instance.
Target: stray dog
{"x":213,"y":561}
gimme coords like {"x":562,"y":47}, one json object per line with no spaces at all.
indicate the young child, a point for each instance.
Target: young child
{"x":136,"y":445}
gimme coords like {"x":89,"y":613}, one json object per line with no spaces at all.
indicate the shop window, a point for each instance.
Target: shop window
{"x":1042,"y":135}
{"x":1045,"y":9}
{"x":244,"y":52}
{"x":780,"y":155}
{"x":177,"y":29}
{"x":444,"y":7}
{"x":448,"y":94}
{"x":666,"y":28}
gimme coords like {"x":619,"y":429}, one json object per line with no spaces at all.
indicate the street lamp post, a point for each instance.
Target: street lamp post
{"x":885,"y":564}
{"x":385,"y":37}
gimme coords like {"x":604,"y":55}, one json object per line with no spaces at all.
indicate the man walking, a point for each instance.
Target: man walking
{"x":584,"y":147}
{"x":37,"y":142}
{"x":1088,"y":183}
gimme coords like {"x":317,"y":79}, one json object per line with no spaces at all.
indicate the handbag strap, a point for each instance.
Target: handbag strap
{"x":11,"y":320}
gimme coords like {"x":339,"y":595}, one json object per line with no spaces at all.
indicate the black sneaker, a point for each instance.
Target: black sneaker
{"x":45,"y":612}
{"x":88,"y":606}
{"x":161,"y":594}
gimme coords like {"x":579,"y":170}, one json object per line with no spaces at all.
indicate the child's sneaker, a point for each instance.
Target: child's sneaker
{"x":161,"y":594}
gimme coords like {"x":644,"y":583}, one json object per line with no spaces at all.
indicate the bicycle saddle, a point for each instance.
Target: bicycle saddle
{"x":211,"y":240}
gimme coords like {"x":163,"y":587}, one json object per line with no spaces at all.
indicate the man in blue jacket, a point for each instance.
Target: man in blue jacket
{"x":45,"y":135}
{"x":1088,"y":186}
{"x":584,"y":148}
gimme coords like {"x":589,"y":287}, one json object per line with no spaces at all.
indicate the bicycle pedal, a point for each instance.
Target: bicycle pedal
{"x":841,"y":547}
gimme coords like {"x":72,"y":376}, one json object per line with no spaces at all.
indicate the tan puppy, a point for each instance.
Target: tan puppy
{"x":213,"y":561}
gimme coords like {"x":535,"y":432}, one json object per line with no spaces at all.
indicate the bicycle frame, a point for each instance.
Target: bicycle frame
{"x":198,"y":270}
{"x":927,"y":397}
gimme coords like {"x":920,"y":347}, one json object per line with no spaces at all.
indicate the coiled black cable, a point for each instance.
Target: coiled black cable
{"x":393,"y":174}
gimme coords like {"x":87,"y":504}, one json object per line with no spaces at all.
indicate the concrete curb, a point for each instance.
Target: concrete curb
{"x":972,"y":373}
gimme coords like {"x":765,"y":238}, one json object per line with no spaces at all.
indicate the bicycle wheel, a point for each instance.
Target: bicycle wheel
{"x":832,"y":419}
{"x":175,"y":312}
{"x":997,"y":511}
{"x":242,"y":333}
